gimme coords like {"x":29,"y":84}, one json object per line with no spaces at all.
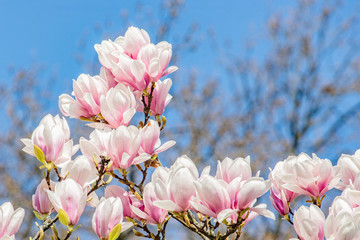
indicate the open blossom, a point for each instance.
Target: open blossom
{"x":221,"y":200}
{"x":174,"y":187}
{"x":118,"y":106}
{"x":124,"y":145}
{"x":87,"y":91}
{"x":107,"y":215}
{"x":150,"y":212}
{"x":280,"y":196}
{"x":40,"y":200}
{"x":156,"y":59}
{"x":349,"y":167}
{"x":10,"y":220}
{"x":309,"y":223}
{"x":150,"y":139}
{"x":133,"y":60}
{"x":231,"y":191}
{"x":311,"y":176}
{"x":121,"y":145}
{"x":343,"y":221}
{"x":69,"y":196}
{"x":52,"y":136}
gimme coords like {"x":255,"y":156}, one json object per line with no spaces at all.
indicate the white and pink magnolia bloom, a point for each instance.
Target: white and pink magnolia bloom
{"x":40,"y":200}
{"x":133,"y":60}
{"x":127,"y":198}
{"x":81,"y":170}
{"x":124,"y":146}
{"x":149,"y":211}
{"x":97,"y":145}
{"x":69,"y":196}
{"x":87,"y":91}
{"x":174,"y":187}
{"x":231,"y":191}
{"x":107,"y":215}
{"x":312,"y":177}
{"x":150,"y":139}
{"x":280,"y":196}
{"x":10,"y":220}
{"x":349,"y":167}
{"x":222,"y":200}
{"x":343,"y":221}
{"x":52,"y":136}
{"x":118,"y":106}
{"x":309,"y":223}
{"x":156,"y":59}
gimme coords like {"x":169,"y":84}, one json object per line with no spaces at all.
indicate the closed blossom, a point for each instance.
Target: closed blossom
{"x":87,"y":91}
{"x":69,"y":196}
{"x":40,"y":200}
{"x":10,"y":220}
{"x":107,"y":215}
{"x":309,"y":223}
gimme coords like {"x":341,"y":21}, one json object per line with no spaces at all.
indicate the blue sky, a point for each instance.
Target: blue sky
{"x":50,"y":32}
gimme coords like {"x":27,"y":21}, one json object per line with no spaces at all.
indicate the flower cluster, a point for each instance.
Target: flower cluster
{"x":214,"y":206}
{"x":314,"y":177}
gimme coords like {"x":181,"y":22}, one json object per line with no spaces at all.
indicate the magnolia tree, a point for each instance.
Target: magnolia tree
{"x":214,"y":207}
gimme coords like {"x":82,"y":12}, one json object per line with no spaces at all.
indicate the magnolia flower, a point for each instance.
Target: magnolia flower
{"x":150,"y":139}
{"x":156,"y":59}
{"x":222,"y":200}
{"x":81,"y":170}
{"x":349,"y":167}
{"x":134,"y":61}
{"x":150,"y":212}
{"x":40,"y":200}
{"x":124,"y":145}
{"x":212,"y":197}
{"x":10,"y":220}
{"x":310,"y":176}
{"x":280,"y":196}
{"x":343,"y":222}
{"x":118,"y":106}
{"x":128,"y":199}
{"x":176,"y":187}
{"x":108,"y":215}
{"x":309,"y":223}
{"x":97,"y":145}
{"x":87,"y":91}
{"x":70,"y":197}
{"x":52,"y":136}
